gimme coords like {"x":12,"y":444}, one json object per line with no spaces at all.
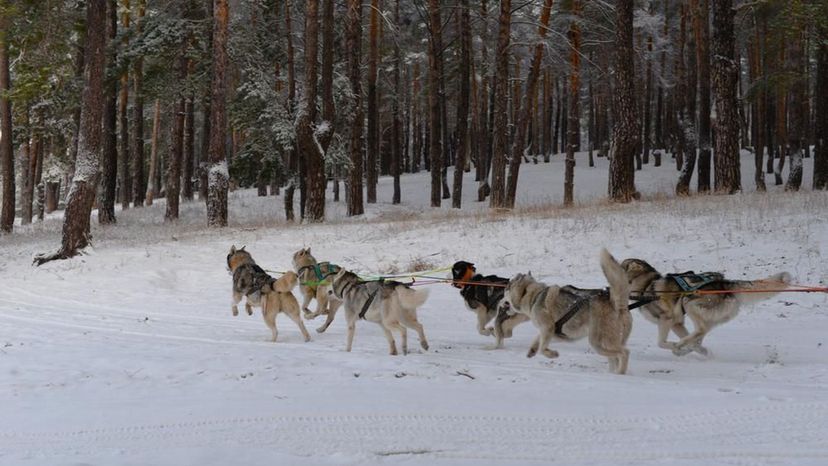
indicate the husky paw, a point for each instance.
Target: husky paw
{"x":321,"y":329}
{"x":551,"y":354}
{"x":249,"y":310}
{"x":681,"y":350}
{"x":393,"y":352}
{"x":532,"y":352}
{"x":307,"y":338}
{"x":488,"y":331}
{"x":235,"y":311}
{"x":424,"y":345}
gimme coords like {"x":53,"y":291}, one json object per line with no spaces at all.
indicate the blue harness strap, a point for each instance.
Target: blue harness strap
{"x":699,"y":280}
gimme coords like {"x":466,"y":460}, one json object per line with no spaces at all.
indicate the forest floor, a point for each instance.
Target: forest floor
{"x":129,"y":354}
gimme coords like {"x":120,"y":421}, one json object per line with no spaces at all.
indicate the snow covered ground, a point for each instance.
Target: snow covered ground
{"x":130,"y":356}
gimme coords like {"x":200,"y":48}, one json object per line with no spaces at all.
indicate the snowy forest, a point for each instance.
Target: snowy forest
{"x":107,"y":103}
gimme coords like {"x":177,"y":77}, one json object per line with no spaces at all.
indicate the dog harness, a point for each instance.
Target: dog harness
{"x":317,"y":270}
{"x":691,"y":281}
{"x":573,"y":309}
{"x":368,"y":301}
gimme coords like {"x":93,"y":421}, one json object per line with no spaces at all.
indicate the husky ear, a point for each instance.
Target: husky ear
{"x":530,"y":274}
{"x":233,"y":249}
{"x":242,"y":248}
{"x":307,"y":250}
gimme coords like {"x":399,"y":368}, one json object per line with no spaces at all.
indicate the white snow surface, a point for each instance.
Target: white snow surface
{"x":129,"y":354}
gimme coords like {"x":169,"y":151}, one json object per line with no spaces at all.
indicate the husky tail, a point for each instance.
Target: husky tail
{"x":285,"y":283}
{"x":411,"y":298}
{"x":619,"y":284}
{"x":760,"y":290}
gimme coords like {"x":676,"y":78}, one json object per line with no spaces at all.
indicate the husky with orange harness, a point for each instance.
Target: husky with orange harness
{"x":704,"y":297}
{"x":482,"y":295}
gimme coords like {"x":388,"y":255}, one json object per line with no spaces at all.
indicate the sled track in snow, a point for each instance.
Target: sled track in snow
{"x":773,"y":431}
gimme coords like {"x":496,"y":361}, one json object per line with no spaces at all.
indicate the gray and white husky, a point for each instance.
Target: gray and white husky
{"x":568,"y":313}
{"x":390,"y":304}
{"x":672,"y":301}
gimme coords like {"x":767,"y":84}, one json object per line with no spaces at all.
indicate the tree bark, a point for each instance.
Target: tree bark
{"x":373,"y":104}
{"x":124,"y":160}
{"x":189,"y":145}
{"x":328,"y":109}
{"x":725,"y":75}
{"x":435,"y":59}
{"x":138,"y":181}
{"x":798,"y":119}
{"x":572,"y":112}
{"x":701,"y":29}
{"x":821,"y":114}
{"x":396,"y":130}
{"x":462,"y":126}
{"x":305,"y":139}
{"x":626,"y":130}
{"x":175,"y":155}
{"x":76,"y":218}
{"x":500,"y":128}
{"x":217,"y":175}
{"x":353,"y":33}
{"x":519,"y":143}
{"x":109,"y":165}
{"x":6,"y":146}
{"x":156,"y":123}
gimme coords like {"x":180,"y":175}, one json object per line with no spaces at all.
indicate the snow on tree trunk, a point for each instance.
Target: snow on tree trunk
{"x":305,"y":138}
{"x":725,"y":76}
{"x":85,"y":180}
{"x":572,"y":134}
{"x":152,"y":188}
{"x":626,"y":132}
{"x":217,"y":176}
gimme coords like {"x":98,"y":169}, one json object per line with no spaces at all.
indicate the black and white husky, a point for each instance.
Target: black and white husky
{"x":392,"y":305}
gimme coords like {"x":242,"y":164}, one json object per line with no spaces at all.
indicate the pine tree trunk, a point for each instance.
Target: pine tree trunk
{"x":76,"y":218}
{"x":175,"y":155}
{"x":701,"y":28}
{"x":6,"y":145}
{"x":519,"y":143}
{"x":138,"y":181}
{"x":434,"y":101}
{"x":124,"y":160}
{"x":821,"y":115}
{"x":189,"y":145}
{"x":353,"y":34}
{"x":757,"y":112}
{"x":152,"y":188}
{"x":217,"y":177}
{"x":798,"y":119}
{"x":725,"y":75}
{"x":373,"y":105}
{"x":626,"y":132}
{"x":462,"y":127}
{"x":305,"y":139}
{"x":500,"y":128}
{"x":396,"y":131}
{"x":328,"y":109}
{"x":109,"y":165}
{"x":572,"y":111}
{"x":648,"y":104}
{"x":27,"y":173}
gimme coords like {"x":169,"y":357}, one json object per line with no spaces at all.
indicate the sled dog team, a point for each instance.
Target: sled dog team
{"x":563,"y":313}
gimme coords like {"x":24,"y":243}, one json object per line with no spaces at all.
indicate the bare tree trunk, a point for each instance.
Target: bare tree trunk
{"x":758,"y":111}
{"x":396,"y":131}
{"x":519,"y":143}
{"x":500,"y":108}
{"x":353,"y":35}
{"x":124,"y":160}
{"x":626,"y":131}
{"x":293,"y":157}
{"x":463,"y":103}
{"x":701,"y":28}
{"x":435,"y":59}
{"x":218,"y":175}
{"x":138,"y":188}
{"x":76,"y":219}
{"x":572,"y":112}
{"x":6,"y":146}
{"x":798,"y":115}
{"x":27,"y":173}
{"x":305,"y":139}
{"x":821,"y":115}
{"x":373,"y":104}
{"x":156,"y":123}
{"x":109,"y":167}
{"x":189,"y":145}
{"x":725,"y":75}
{"x":175,"y":154}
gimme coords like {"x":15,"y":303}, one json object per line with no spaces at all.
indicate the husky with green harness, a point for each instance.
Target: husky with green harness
{"x":314,"y":283}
